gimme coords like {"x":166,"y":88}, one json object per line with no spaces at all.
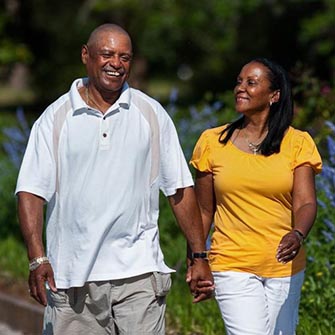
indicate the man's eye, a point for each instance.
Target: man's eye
{"x":125,"y":58}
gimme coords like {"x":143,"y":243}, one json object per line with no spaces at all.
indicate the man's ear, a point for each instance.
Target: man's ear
{"x":84,"y":53}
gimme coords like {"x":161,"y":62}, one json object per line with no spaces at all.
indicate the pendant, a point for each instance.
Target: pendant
{"x":253,"y":147}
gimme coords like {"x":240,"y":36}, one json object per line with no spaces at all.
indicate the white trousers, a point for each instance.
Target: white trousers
{"x":253,"y":305}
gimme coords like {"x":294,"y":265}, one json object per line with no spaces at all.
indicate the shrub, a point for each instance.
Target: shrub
{"x":319,"y":287}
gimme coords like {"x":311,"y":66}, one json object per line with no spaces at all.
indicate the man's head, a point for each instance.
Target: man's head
{"x":107,"y":57}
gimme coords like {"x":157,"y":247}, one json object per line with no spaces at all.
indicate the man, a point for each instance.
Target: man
{"x":98,"y":156}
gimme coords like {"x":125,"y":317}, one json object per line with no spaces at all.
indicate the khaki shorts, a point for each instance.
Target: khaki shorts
{"x":127,"y":306}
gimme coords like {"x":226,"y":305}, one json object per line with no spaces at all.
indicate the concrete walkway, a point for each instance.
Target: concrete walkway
{"x":19,"y":317}
{"x":5,"y":330}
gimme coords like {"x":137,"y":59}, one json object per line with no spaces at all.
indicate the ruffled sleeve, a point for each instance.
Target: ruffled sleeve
{"x":201,"y":154}
{"x":306,"y":153}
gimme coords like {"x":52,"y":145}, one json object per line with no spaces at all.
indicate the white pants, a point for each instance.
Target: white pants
{"x":252,"y":305}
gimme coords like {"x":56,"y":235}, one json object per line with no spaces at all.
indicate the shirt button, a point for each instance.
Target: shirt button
{"x":104,"y":135}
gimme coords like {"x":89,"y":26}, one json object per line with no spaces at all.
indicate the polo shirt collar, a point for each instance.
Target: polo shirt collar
{"x":79,"y":104}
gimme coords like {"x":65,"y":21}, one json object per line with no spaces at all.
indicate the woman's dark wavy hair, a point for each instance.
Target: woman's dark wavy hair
{"x":281,"y":112}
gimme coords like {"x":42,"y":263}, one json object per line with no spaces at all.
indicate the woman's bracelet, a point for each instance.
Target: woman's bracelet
{"x":300,"y":236}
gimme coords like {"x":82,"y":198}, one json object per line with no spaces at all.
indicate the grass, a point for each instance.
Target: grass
{"x":13,"y":259}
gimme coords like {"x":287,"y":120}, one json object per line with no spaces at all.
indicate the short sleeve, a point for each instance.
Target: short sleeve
{"x":306,"y":153}
{"x":174,"y":170}
{"x":201,"y":154}
{"x":37,"y":173}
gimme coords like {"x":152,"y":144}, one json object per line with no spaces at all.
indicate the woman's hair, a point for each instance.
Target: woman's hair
{"x":281,"y":112}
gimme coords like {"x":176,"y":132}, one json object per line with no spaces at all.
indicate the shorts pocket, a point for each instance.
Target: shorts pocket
{"x":161,"y":283}
{"x":58,"y":299}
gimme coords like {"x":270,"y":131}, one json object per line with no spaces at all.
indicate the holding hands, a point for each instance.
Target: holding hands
{"x":199,"y":279}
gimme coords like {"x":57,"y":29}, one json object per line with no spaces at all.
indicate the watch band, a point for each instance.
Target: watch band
{"x":202,"y":254}
{"x":36,"y":262}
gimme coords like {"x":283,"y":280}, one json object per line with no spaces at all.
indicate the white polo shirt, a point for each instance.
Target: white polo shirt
{"x":101,"y":175}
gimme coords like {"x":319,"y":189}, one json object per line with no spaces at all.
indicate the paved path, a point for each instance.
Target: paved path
{"x":5,"y":330}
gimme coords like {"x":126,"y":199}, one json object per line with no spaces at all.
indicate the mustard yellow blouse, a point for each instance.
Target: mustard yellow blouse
{"x":253,"y":201}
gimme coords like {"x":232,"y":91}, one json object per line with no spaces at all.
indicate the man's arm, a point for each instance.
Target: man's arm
{"x":30,"y":212}
{"x":186,"y":211}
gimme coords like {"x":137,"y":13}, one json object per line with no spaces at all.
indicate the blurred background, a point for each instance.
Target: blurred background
{"x":187,"y":55}
{"x":195,"y":46}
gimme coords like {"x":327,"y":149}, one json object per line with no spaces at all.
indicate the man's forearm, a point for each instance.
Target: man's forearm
{"x":186,"y":211}
{"x":30,"y":212}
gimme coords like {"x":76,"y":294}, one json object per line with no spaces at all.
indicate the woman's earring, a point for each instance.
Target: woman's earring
{"x":270,"y":103}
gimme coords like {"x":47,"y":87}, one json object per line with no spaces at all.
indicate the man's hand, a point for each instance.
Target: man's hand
{"x":37,"y":280}
{"x":200,"y":280}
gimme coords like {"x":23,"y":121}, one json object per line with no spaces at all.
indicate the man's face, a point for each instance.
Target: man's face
{"x":108,"y":61}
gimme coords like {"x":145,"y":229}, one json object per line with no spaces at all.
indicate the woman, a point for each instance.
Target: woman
{"x":255,"y":179}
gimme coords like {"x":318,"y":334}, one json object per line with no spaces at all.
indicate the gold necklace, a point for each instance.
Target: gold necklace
{"x":89,"y":98}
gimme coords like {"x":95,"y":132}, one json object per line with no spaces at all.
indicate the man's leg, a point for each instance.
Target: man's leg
{"x":139,"y":303}
{"x":79,"y":310}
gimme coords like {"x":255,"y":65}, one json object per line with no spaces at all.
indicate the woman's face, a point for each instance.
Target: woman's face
{"x":252,"y":91}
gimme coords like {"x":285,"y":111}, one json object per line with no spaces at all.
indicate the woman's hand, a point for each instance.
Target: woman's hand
{"x":203,"y":287}
{"x":289,"y":247}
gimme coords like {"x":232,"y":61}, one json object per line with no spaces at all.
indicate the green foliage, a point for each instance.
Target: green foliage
{"x":318,"y":291}
{"x":200,"y":45}
{"x":318,"y":33}
{"x":315,"y":103}
{"x":9,"y":224}
{"x":12,"y":50}
{"x":13,"y":259}
{"x":11,"y":53}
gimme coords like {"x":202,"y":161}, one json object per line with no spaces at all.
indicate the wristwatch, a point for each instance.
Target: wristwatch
{"x":202,"y":254}
{"x":36,"y":262}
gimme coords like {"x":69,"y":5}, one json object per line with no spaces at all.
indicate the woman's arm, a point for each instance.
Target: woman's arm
{"x":304,"y":199}
{"x":304,"y":208}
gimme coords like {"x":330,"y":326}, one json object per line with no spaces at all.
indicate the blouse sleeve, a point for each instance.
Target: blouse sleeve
{"x":306,"y":153}
{"x":201,"y":154}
